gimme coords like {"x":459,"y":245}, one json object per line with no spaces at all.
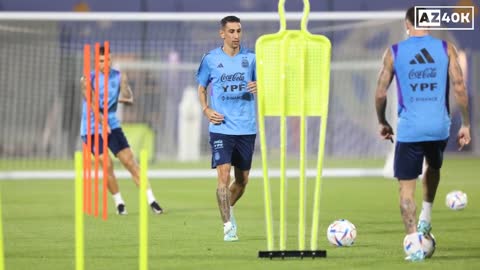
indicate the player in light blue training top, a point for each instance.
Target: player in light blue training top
{"x":118,"y":91}
{"x":424,"y":68}
{"x":230,"y":70}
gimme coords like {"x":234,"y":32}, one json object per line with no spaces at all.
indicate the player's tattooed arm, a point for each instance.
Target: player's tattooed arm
{"x":458,"y":83}
{"x":384,"y":80}
{"x":84,"y":86}
{"x":461,"y":96}
{"x":202,"y":95}
{"x":126,"y":94}
{"x":213,"y":116}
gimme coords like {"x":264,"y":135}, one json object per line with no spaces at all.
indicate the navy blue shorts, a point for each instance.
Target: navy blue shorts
{"x":116,"y":141}
{"x":234,"y":149}
{"x":409,"y":158}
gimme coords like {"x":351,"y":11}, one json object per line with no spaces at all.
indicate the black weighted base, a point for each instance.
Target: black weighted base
{"x":293,"y":254}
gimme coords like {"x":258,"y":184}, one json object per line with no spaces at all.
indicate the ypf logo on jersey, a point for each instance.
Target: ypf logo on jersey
{"x":444,"y":18}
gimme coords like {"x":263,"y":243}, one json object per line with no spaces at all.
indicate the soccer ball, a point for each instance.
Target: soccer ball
{"x":418,"y":241}
{"x":341,"y":233}
{"x":456,"y":200}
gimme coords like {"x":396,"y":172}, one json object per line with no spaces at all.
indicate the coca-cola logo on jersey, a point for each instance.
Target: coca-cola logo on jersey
{"x":422,"y":74}
{"x":237,"y":76}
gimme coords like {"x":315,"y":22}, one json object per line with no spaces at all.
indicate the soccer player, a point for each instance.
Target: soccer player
{"x":423,"y":67}
{"x":230,"y":69}
{"x":118,"y":91}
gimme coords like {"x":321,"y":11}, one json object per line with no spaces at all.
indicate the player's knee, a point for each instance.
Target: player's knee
{"x":242,"y":182}
{"x":130,"y":163}
{"x":433,"y":169}
{"x":105,"y":160}
{"x":223,"y":179}
{"x":223,"y":171}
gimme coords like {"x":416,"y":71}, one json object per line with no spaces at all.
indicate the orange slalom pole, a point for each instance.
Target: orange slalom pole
{"x":97,"y":120}
{"x":106,"y":73}
{"x":88,"y":163}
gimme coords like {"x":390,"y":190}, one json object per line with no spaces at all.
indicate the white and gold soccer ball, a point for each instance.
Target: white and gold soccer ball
{"x":341,"y":233}
{"x":456,"y":200}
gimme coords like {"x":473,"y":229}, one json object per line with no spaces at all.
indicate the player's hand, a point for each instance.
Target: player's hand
{"x":213,"y":116}
{"x":386,"y":132}
{"x":463,"y":137}
{"x":83,"y":81}
{"x":128,"y":101}
{"x":252,"y":87}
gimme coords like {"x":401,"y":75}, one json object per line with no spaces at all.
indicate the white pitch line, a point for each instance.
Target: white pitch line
{"x":190,"y":174}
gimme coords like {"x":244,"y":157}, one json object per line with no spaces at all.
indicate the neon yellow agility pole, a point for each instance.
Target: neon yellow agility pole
{"x":301,"y":181}
{"x":318,"y":183}
{"x":143,"y":215}
{"x":283,"y":147}
{"x":266,"y":183}
{"x":2,"y":254}
{"x":79,"y":223}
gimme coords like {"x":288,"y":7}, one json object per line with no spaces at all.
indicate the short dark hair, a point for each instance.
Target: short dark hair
{"x":410,"y":15}
{"x":228,"y":19}
{"x":102,"y":50}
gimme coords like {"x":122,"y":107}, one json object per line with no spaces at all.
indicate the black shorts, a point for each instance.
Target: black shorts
{"x":116,"y":141}
{"x":234,"y":149}
{"x":409,"y":157}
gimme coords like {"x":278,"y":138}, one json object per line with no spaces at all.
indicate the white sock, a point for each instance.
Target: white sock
{"x":227,"y":226}
{"x":231,"y":210}
{"x":426,"y":213}
{"x":150,"y":196}
{"x":117,"y":198}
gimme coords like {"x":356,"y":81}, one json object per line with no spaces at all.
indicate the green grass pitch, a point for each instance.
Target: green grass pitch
{"x":38,"y":222}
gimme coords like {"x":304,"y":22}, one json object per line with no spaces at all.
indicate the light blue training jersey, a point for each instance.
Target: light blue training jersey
{"x":228,"y":95}
{"x":421,"y":73}
{"x":113,"y":94}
